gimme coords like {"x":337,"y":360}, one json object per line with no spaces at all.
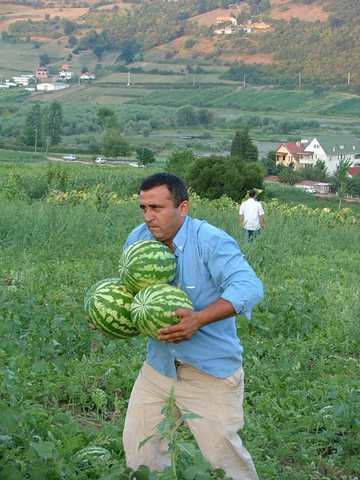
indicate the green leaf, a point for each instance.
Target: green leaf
{"x":142,"y":473}
{"x":45,"y":450}
{"x":11,"y":472}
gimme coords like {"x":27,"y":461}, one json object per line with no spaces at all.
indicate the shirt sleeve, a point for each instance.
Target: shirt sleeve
{"x":261,"y":210}
{"x":231,"y":272}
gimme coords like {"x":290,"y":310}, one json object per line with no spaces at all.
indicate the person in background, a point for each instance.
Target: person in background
{"x":200,"y":357}
{"x":252,"y":215}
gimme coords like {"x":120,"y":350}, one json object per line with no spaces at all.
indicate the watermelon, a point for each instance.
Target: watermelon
{"x":145,"y":263}
{"x":92,"y":455}
{"x":107,"y":304}
{"x":152,"y":307}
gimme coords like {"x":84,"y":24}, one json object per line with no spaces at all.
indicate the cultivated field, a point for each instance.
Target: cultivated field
{"x":286,"y":10}
{"x":64,"y":387}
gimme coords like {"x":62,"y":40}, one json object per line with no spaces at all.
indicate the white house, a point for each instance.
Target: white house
{"x":23,"y":80}
{"x":50,"y":87}
{"x":223,"y":31}
{"x":331,"y":149}
{"x":65,"y":75}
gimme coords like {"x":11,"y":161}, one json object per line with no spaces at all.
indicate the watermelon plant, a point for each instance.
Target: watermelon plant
{"x":107,"y":304}
{"x":153,"y":307}
{"x":146,"y":263}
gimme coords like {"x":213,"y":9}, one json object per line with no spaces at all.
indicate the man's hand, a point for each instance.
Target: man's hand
{"x":184,"y":330}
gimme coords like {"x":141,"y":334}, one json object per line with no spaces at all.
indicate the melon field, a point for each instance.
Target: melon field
{"x":65,"y":387}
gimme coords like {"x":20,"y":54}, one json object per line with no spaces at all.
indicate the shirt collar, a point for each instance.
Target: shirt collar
{"x":181,"y":235}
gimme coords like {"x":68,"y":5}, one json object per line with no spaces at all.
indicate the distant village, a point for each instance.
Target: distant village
{"x":42,"y":81}
{"x":330,"y":149}
{"x":227,"y":25}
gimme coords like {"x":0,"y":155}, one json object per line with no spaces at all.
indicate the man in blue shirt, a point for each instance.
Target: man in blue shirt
{"x":201,"y":356}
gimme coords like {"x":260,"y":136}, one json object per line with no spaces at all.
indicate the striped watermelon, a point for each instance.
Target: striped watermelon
{"x":152,"y":307}
{"x":92,"y":455}
{"x":107,"y":304}
{"x":145,"y":263}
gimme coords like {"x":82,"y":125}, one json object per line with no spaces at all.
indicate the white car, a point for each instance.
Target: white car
{"x":71,"y":156}
{"x":100,"y":160}
{"x":310,"y":190}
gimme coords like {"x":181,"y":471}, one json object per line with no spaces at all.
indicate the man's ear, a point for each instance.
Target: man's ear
{"x":184,"y":208}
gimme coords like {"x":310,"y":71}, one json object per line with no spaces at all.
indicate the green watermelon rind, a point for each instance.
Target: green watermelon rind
{"x":153,"y":306}
{"x":145,"y":263}
{"x":92,"y":454}
{"x":107,"y":304}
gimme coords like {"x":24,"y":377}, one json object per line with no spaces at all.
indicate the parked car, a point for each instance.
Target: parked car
{"x":70,"y":156}
{"x":100,"y":160}
{"x":310,"y":190}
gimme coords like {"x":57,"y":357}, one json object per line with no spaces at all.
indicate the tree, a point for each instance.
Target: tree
{"x":340,"y":179}
{"x":270,"y":163}
{"x":33,"y":134}
{"x":114,"y":144}
{"x":215,"y":176}
{"x":317,"y":172}
{"x":186,"y":116}
{"x":53,"y":121}
{"x":69,"y":27}
{"x":129,"y":49}
{"x":243,"y":147}
{"x":179,"y":163}
{"x":44,"y":60}
{"x":205,"y":117}
{"x":288,"y":175}
{"x":106,"y":117}
{"x":145,"y":156}
{"x":353,"y":187}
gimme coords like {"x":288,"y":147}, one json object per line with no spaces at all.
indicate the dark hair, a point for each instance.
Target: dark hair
{"x":175,"y":185}
{"x":252,"y":193}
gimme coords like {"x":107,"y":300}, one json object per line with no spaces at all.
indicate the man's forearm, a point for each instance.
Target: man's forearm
{"x":216,"y":311}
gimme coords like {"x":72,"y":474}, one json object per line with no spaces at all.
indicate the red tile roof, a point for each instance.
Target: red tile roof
{"x":353,"y":171}
{"x":294,"y":147}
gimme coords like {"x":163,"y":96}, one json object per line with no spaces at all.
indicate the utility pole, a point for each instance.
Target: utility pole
{"x":244,"y":81}
{"x":349,"y":78}
{"x":300,"y":80}
{"x":36,"y":135}
{"x":128,"y":82}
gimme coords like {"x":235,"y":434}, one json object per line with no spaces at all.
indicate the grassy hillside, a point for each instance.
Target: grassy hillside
{"x":315,"y":38}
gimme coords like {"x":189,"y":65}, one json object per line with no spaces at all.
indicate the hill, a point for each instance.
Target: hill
{"x":285,"y":41}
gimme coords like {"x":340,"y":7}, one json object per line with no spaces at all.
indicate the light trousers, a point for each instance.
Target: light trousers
{"x":219,"y":403}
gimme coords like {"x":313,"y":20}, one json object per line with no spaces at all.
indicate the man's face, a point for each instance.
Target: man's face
{"x":161,"y":215}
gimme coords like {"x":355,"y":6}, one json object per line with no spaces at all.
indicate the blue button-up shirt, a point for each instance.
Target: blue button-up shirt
{"x":210,"y":266}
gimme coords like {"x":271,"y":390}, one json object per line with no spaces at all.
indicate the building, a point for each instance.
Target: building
{"x":292,"y":153}
{"x":353,"y":171}
{"x":23,"y":80}
{"x":224,"y":31}
{"x":87,"y":76}
{"x":41,"y":73}
{"x":65,"y":75}
{"x":226,"y":19}
{"x":331,"y":149}
{"x":50,"y":87}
